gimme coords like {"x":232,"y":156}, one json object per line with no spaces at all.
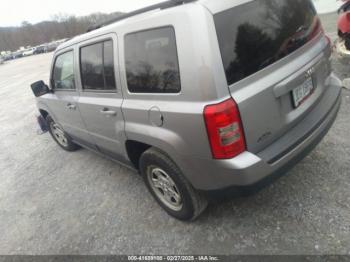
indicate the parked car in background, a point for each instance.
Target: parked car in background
{"x":200,"y":97}
{"x":17,"y":54}
{"x":1,"y":60}
{"x":40,"y":49}
{"x":343,"y":23}
{"x":29,"y":51}
{"x":51,"y":47}
{"x":7,"y":56}
{"x":342,"y":45}
{"x":61,"y":41}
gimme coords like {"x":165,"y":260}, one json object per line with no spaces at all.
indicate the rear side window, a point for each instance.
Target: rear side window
{"x":253,"y":36}
{"x":63,"y":72}
{"x":151,"y":61}
{"x":97,"y":67}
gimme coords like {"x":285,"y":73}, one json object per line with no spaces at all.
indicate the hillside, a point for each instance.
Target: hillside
{"x":11,"y":38}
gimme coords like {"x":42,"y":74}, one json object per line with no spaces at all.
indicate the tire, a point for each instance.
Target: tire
{"x":60,"y":137}
{"x":184,"y":203}
{"x":340,"y":33}
{"x":347,"y":42}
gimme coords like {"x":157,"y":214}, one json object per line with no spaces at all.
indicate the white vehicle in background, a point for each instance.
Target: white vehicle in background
{"x":29,"y":51}
{"x":1,"y":60}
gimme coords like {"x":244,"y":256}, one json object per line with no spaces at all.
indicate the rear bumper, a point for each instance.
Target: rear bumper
{"x":251,"y":170}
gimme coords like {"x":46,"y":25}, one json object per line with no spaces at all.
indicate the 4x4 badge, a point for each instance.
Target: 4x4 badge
{"x":309,"y":72}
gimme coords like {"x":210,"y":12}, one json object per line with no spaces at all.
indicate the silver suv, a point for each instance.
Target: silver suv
{"x":198,"y":96}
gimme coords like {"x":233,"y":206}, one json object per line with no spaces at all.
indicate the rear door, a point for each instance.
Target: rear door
{"x":101,"y":99}
{"x":63,"y":101}
{"x":276,"y":61}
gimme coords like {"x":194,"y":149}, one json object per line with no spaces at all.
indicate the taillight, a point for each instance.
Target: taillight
{"x":224,"y":129}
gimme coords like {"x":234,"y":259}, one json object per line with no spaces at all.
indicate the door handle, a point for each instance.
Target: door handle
{"x":108,"y":112}
{"x":71,"y":106}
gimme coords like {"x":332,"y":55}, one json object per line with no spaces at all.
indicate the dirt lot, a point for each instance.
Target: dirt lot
{"x":53,"y":202}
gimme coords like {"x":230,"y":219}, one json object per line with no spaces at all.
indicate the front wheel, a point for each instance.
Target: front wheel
{"x":169,"y":187}
{"x":60,"y":136}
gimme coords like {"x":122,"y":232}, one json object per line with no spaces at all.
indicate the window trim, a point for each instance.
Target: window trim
{"x":177,"y":56}
{"x":104,"y":91}
{"x":53,"y":73}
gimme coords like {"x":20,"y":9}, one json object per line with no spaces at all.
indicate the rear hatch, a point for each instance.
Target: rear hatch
{"x":276,"y":60}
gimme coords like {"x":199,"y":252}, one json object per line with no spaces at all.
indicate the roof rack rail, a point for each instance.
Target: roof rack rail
{"x":163,"y":5}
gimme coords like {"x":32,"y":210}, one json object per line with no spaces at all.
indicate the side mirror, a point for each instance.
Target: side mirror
{"x":40,"y":88}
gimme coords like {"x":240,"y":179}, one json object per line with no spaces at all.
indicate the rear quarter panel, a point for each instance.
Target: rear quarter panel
{"x":183,"y":133}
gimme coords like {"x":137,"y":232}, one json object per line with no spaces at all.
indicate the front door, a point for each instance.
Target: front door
{"x":63,"y":101}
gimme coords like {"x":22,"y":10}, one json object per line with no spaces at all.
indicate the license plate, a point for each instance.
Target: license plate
{"x":302,"y":92}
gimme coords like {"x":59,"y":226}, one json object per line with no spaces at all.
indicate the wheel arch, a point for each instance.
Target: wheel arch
{"x":134,"y":150}
{"x":44,"y":110}
{"x":43,"y":113}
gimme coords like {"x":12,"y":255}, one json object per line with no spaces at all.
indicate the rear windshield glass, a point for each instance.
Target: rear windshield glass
{"x":253,"y":36}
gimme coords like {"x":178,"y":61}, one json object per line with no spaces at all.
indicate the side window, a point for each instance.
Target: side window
{"x":151,"y":61}
{"x":97,"y":67}
{"x":63,"y":73}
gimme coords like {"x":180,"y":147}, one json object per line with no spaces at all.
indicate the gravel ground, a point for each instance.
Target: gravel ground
{"x":54,"y":202}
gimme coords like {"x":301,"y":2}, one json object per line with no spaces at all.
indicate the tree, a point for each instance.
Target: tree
{"x":61,"y":26}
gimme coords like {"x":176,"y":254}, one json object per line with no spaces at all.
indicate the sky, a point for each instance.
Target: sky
{"x":14,"y":12}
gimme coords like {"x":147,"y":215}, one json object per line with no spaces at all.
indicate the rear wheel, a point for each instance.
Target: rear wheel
{"x":60,"y":136}
{"x":169,"y":187}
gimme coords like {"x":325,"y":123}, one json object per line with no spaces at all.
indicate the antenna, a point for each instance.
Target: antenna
{"x":163,"y":5}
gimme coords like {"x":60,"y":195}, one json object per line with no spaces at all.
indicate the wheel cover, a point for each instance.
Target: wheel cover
{"x":58,"y":134}
{"x":165,"y":188}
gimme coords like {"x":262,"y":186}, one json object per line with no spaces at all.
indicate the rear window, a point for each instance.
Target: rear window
{"x":253,"y":36}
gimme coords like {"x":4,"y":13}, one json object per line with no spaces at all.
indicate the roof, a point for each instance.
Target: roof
{"x":163,"y":5}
